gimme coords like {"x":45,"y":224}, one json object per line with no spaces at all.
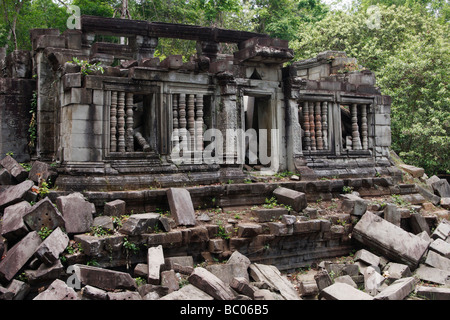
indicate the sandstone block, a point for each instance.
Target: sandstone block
{"x":13,"y":226}
{"x":209,"y":283}
{"x":44,"y":214}
{"x":50,"y":249}
{"x":295,"y":199}
{"x":181,"y":206}
{"x":77,"y":212}
{"x":114,"y":208}
{"x":58,"y":290}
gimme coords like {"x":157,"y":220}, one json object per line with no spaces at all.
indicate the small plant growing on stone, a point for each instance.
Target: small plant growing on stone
{"x":222,"y":233}
{"x":44,"y":232}
{"x":86,"y":67}
{"x":347,"y":189}
{"x":140,"y":281}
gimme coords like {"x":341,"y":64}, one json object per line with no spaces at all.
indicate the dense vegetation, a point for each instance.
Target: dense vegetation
{"x":405,"y":42}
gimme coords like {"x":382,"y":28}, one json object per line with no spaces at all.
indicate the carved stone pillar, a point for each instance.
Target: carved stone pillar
{"x":175,"y":133}
{"x":356,"y":142}
{"x":113,"y":122}
{"x":182,"y":121}
{"x":121,"y":121}
{"x":199,"y":123}
{"x":130,"y":123}
{"x":312,"y":126}
{"x":306,"y":126}
{"x":364,"y":132}
{"x":191,"y":121}
{"x":325,"y":124}
{"x":319,"y":137}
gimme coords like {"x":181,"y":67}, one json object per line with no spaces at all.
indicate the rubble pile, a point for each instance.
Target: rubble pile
{"x":49,"y":248}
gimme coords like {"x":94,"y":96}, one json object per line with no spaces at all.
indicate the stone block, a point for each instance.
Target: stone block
{"x":6,"y":178}
{"x":367,"y":257}
{"x":189,"y":292}
{"x":278,"y":229}
{"x":441,"y":188}
{"x":93,"y":293}
{"x":19,"y":255}
{"x":172,"y":62}
{"x":441,"y":247}
{"x":227,"y":272}
{"x":13,"y":227}
{"x":346,"y":279}
{"x":140,"y":223}
{"x":372,"y":281}
{"x":170,"y":280}
{"x":295,"y":199}
{"x":433,"y":293}
{"x":436,"y":260}
{"x":92,"y":246}
{"x":104,"y":278}
{"x":249,"y":230}
{"x":431,"y":274}
{"x":267,"y":215}
{"x":14,"y":168}
{"x":394,"y":271}
{"x":241,"y":285}
{"x":41,"y":171}
{"x":237,"y":257}
{"x":77,"y":212}
{"x":209,"y":283}
{"x":419,"y":224}
{"x":17,"y":290}
{"x":104,"y":222}
{"x":442,"y":231}
{"x":155,"y":259}
{"x":353,"y":204}
{"x":58,"y":290}
{"x":343,"y":291}
{"x":181,"y":206}
{"x":49,"y":250}
{"x":44,"y":214}
{"x":398,"y":290}
{"x":392,"y":215}
{"x":445,"y":203}
{"x":45,"y":273}
{"x":14,"y":194}
{"x":114,"y":208}
{"x":412,"y":170}
{"x":308,"y":226}
{"x":390,"y":240}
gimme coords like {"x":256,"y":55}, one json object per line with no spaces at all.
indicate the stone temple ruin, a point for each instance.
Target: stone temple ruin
{"x":156,"y":139}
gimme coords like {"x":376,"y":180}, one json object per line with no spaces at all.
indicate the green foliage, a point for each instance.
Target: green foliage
{"x":44,"y":232}
{"x":86,"y":67}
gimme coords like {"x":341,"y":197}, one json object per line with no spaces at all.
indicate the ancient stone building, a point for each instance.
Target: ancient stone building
{"x":144,"y":122}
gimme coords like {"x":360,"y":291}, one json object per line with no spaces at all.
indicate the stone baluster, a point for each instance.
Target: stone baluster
{"x":356,"y":142}
{"x":121,"y":121}
{"x":306,"y":126}
{"x":199,"y":123}
{"x":364,"y":128}
{"x":312,"y":126}
{"x":182,"y":121}
{"x":176,"y":133}
{"x":319,"y":137}
{"x":113,"y":122}
{"x":191,"y":120}
{"x":130,"y":123}
{"x":325,"y":124}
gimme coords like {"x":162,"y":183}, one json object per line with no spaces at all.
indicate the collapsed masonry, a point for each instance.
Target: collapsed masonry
{"x":181,"y":245}
{"x":118,"y":129}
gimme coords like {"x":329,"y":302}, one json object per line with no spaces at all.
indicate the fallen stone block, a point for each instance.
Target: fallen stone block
{"x":392,"y":215}
{"x":104,"y":222}
{"x":58,"y":290}
{"x":92,"y":246}
{"x":44,"y":214}
{"x":14,"y":194}
{"x":441,"y":188}
{"x":103,"y":278}
{"x":278,"y":229}
{"x":13,"y":226}
{"x":346,"y":279}
{"x":392,"y":241}
{"x":295,"y":199}
{"x":249,"y":230}
{"x":412,"y":170}
{"x":415,"y":198}
{"x":140,"y":223}
{"x":445,"y":203}
{"x":242,"y":285}
{"x":430,"y":274}
{"x":19,"y":255}
{"x":93,"y":293}
{"x":419,"y":224}
{"x":209,"y":283}
{"x":323,"y":279}
{"x":170,"y":280}
{"x":394,"y":271}
{"x":49,"y":250}
{"x":353,"y":204}
{"x":265,"y":294}
{"x":272,"y":276}
{"x":14,"y":168}
{"x":237,"y":257}
{"x":6,"y":178}
{"x":308,"y":288}
{"x":16,"y":290}
{"x":433,"y":293}
{"x":442,"y":231}
{"x":41,"y":171}
{"x":367,"y":257}
{"x":343,"y":291}
{"x":114,"y":208}
{"x":429,"y":195}
{"x":155,"y":259}
{"x":45,"y":273}
{"x":398,"y":290}
{"x":441,"y":247}
{"x":124,"y":295}
{"x":189,"y":292}
{"x":181,"y":206}
{"x":77,"y":212}
{"x":266,"y":215}
{"x":227,"y":272}
{"x":436,"y":260}
{"x":182,"y":261}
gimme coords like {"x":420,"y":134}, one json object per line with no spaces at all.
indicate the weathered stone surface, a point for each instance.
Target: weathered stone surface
{"x":14,"y":168}
{"x":430,"y":274}
{"x":272,"y":276}
{"x":227,"y":272}
{"x":436,"y":260}
{"x":372,"y":281}
{"x":44,"y":214}
{"x":13,"y":226}
{"x":265,"y":294}
{"x":58,"y":290}
{"x":441,"y":247}
{"x":394,"y":242}
{"x":50,"y":249}
{"x":433,"y":293}
{"x":45,"y":273}
{"x":392,"y":214}
{"x":266,"y":215}
{"x":295,"y":199}
{"x":14,"y":194}
{"x":353,"y":204}
{"x":237,"y":257}
{"x":412,"y":170}
{"x":249,"y":230}
{"x":155,"y":259}
{"x":441,"y":188}
{"x":343,"y":291}
{"x":346,"y":279}
{"x":41,"y":171}
{"x":6,"y":178}
{"x":323,"y":279}
{"x":442,"y":231}
{"x":125,"y":295}
{"x":394,"y":271}
{"x":170,"y":280}
{"x":419,"y":224}
{"x":114,"y":208}
{"x":77,"y":212}
{"x":181,"y":206}
{"x":367,"y":257}
{"x":105,"y":222}
{"x":241,"y":285}
{"x":445,"y":203}
{"x":93,"y":293}
{"x":140,"y":223}
{"x":103,"y":278}
{"x":398,"y":290}
{"x":18,"y":255}
{"x":209,"y":283}
{"x":17,"y":290}
{"x":189,"y":292}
